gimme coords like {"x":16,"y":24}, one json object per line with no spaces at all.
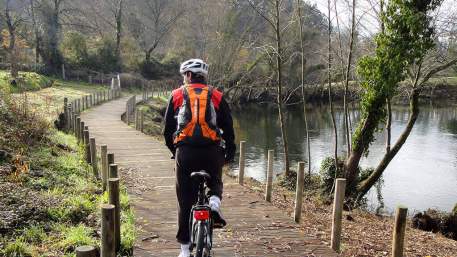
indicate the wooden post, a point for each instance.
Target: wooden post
{"x":73,"y":122}
{"x":113,"y":171}
{"x":86,"y":98}
{"x":338,"y":201}
{"x":398,"y":241}
{"x":142,"y":122}
{"x":269,"y":176}
{"x":104,"y":158}
{"x":113,"y":193}
{"x":110,"y":161}
{"x":86,"y":251}
{"x":78,"y":129}
{"x":93,"y":157}
{"x":63,"y":72}
{"x":299,"y":191}
{"x":127,"y":114}
{"x":81,"y":132}
{"x":66,"y":114}
{"x":87,"y":145}
{"x":242,"y":162}
{"x":108,"y":248}
{"x":137,"y":126}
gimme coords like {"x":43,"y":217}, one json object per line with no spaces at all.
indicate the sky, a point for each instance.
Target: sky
{"x":366,"y":16}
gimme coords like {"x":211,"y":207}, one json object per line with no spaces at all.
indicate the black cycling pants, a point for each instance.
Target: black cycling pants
{"x":190,"y":159}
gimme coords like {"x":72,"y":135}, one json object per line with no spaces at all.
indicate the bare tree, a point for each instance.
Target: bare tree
{"x":12,"y":19}
{"x":329,"y":78}
{"x":270,"y":11}
{"x":151,"y":21}
{"x":118,"y":18}
{"x":303,"y":66}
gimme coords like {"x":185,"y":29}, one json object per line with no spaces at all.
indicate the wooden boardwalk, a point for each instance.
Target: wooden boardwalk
{"x":256,"y":228}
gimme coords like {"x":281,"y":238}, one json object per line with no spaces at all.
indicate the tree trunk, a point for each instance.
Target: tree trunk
{"x":303,"y":64}
{"x":335,"y":131}
{"x":346,"y":79}
{"x":12,"y":44}
{"x":147,"y":56}
{"x":51,"y":55}
{"x":279,"y":88}
{"x":365,"y":185}
{"x":36,"y":32}
{"x":388,"y":125}
{"x":119,"y":32}
{"x":366,"y":128}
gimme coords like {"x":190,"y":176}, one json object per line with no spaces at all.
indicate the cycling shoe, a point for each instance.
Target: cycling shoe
{"x":218,"y":219}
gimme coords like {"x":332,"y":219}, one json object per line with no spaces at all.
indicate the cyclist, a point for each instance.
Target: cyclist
{"x":199,"y":133}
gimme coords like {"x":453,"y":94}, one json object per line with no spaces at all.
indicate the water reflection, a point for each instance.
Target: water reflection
{"x":422,"y":175}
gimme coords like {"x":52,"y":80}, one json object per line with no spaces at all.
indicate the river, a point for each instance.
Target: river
{"x":422,"y":175}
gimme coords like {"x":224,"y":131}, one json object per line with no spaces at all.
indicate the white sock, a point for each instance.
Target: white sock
{"x":215,"y":203}
{"x":184,"y":250}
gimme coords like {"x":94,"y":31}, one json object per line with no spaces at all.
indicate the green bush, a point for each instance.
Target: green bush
{"x":105,"y":58}
{"x":74,"y":49}
{"x":289,"y":181}
{"x":328,"y":174}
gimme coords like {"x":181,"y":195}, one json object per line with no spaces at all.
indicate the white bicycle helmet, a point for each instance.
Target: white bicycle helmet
{"x":196,"y":66}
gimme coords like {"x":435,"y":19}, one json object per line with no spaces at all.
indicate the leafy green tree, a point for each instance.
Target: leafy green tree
{"x":74,"y":49}
{"x":407,"y":37}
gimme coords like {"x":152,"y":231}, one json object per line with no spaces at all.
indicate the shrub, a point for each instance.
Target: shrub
{"x":19,"y":131}
{"x":74,"y":49}
{"x":328,"y":174}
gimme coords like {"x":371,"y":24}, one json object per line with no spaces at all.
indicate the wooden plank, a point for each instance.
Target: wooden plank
{"x":256,"y":228}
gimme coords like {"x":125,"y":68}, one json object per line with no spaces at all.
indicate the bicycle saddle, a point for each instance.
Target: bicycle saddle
{"x":199,"y":175}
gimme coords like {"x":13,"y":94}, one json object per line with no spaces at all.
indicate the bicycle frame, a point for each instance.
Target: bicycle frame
{"x":200,"y":217}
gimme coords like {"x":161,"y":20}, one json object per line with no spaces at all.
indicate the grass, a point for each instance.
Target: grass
{"x":67,"y":194}
{"x":27,"y":81}
{"x":74,"y":218}
{"x":45,"y":95}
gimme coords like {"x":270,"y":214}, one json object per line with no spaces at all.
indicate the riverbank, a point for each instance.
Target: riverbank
{"x":437,"y":91}
{"x":364,"y":233}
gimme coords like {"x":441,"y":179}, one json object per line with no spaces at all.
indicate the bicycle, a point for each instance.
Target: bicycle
{"x":201,"y":223}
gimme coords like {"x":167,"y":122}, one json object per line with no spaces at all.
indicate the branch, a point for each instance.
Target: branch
{"x":438,"y":69}
{"x":262,"y":14}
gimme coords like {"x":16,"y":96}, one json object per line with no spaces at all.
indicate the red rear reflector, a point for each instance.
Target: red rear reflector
{"x":201,"y":215}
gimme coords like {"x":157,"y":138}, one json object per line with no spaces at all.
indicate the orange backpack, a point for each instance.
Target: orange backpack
{"x":197,"y":117}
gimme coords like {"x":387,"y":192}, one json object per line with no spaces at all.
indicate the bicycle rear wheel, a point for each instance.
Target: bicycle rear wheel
{"x":201,"y":247}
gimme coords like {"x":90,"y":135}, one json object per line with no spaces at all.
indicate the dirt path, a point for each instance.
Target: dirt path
{"x":256,"y":228}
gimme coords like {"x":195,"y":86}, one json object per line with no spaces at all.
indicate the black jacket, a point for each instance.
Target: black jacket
{"x":224,"y":122}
